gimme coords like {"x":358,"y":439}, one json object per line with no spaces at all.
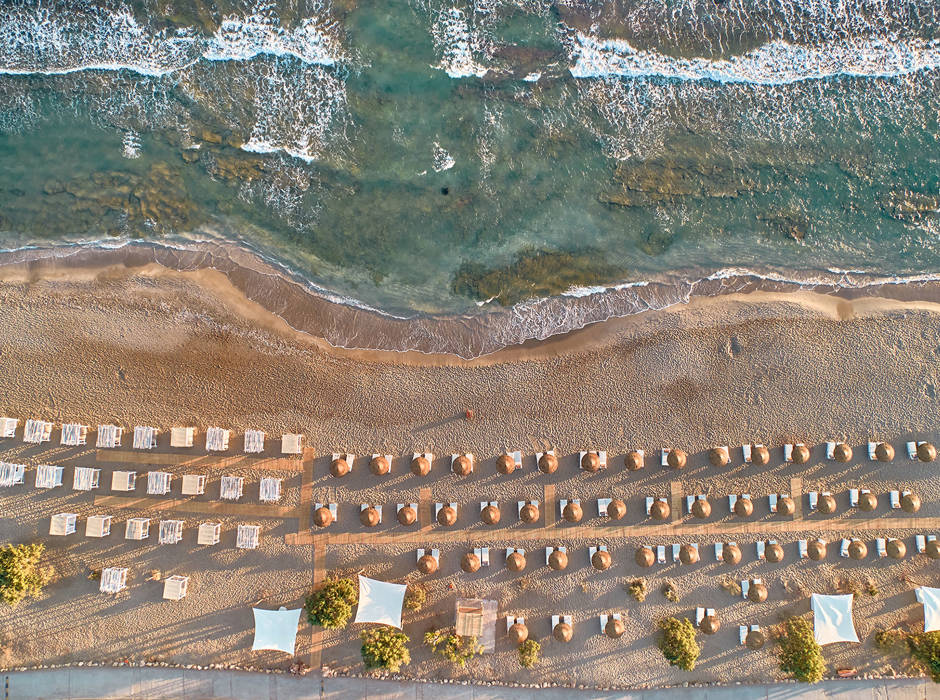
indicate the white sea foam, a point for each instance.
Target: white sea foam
{"x":442,"y":159}
{"x":532,"y":77}
{"x":459,"y":44}
{"x":243,"y":38}
{"x":130,"y":144}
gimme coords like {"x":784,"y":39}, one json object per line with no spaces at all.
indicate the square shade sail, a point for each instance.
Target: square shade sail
{"x":930,"y":598}
{"x":380,"y":602}
{"x":832,"y":619}
{"x":276,"y":629}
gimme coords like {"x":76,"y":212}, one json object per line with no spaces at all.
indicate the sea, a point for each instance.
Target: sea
{"x":458,"y":177}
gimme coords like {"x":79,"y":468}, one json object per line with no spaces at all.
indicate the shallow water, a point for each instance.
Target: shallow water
{"x":431,"y":157}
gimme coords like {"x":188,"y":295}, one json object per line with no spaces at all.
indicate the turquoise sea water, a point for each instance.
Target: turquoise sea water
{"x":427,"y":157}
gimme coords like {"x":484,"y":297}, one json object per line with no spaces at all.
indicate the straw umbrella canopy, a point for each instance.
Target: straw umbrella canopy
{"x":932,"y":549}
{"x":688,"y":554}
{"x":867,"y":502}
{"x":896,"y":549}
{"x":518,"y":633}
{"x":774,"y":553}
{"x":420,"y":466}
{"x":427,"y":564}
{"x":447,"y":516}
{"x":633,"y":461}
{"x":407,"y":516}
{"x":505,"y":464}
{"x":858,"y":550}
{"x":462,"y":466}
{"x":322,"y":516}
{"x":760,"y":455}
{"x":800,"y":454}
{"x":842,"y":452}
{"x":786,"y":506}
{"x":677,"y":459}
{"x":529,"y":513}
{"x":827,"y":504}
{"x":572,"y":512}
{"x":910,"y":503}
{"x":562,"y":632}
{"x":718,"y":456}
{"x":616,"y":509}
{"x":558,"y":560}
{"x":379,"y":465}
{"x":744,"y":507}
{"x":645,"y":557}
{"x":515,"y":562}
{"x":701,"y":508}
{"x":548,"y":463}
{"x":591,"y":462}
{"x":490,"y":515}
{"x":816,"y":550}
{"x":369,"y":517}
{"x":755,"y":639}
{"x":884,"y":452}
{"x":614,"y":628}
{"x":470,"y":562}
{"x":926,"y":452}
{"x":731,"y":553}
{"x":710,"y":624}
{"x":339,"y":467}
{"x":659,"y":510}
{"x":757,"y":593}
{"x":601,"y":560}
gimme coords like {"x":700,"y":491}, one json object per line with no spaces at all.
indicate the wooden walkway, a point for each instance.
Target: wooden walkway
{"x":185,"y":505}
{"x":177,"y":459}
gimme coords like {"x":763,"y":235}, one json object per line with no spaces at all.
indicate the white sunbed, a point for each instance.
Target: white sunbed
{"x":853,"y":498}
{"x":602,"y":504}
{"x":788,"y":452}
{"x":484,"y":554}
{"x":699,"y":616}
{"x":880,"y":547}
{"x":803,"y":548}
{"x":746,"y":451}
{"x":675,"y":552}
{"x":813,"y":499}
{"x":912,"y":450}
{"x":719,"y":551}
{"x":895,"y":499}
{"x":844,"y":549}
{"x":921,"y":543}
{"x":661,"y":554}
{"x":772,"y":502}
{"x":745,"y":587}
{"x":732,"y":499}
{"x":761,"y":547}
{"x":830,"y":450}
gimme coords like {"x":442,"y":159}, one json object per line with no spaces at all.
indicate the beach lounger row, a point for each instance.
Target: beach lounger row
{"x":114,"y":580}
{"x":169,"y":531}
{"x":556,"y":557}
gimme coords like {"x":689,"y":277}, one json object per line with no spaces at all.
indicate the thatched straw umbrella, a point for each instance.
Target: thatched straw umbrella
{"x":420,"y":466}
{"x":932,"y":549}
{"x":816,"y":550}
{"x":677,"y":459}
{"x":591,"y":462}
{"x":616,"y":509}
{"x":910,"y":503}
{"x":462,"y":466}
{"x":558,"y":560}
{"x":490,"y":515}
{"x":786,"y":506}
{"x":926,"y":452}
{"x":407,"y":516}
{"x":379,"y":466}
{"x":858,"y":550}
{"x":842,"y":452}
{"x":633,"y":461}
{"x":614,"y":628}
{"x":562,"y":632}
{"x":505,"y":464}
{"x":447,"y":516}
{"x":755,"y":639}
{"x":529,"y":513}
{"x":760,"y":455}
{"x":774,"y":553}
{"x":868,"y":502}
{"x":322,"y":516}
{"x":339,"y":467}
{"x":827,"y":504}
{"x":548,"y":463}
{"x":601,"y":560}
{"x":369,"y":517}
{"x":800,"y":454}
{"x":718,"y":456}
{"x":701,"y":508}
{"x":731,"y":553}
{"x":896,"y":549}
{"x":518,"y":633}
{"x":757,"y":593}
{"x":710,"y":624}
{"x":572,"y":512}
{"x":427,"y":564}
{"x":470,"y":562}
{"x":744,"y":507}
{"x":688,"y":554}
{"x":884,"y":452}
{"x":659,"y":510}
{"x":515,"y":561}
{"x":645,"y":557}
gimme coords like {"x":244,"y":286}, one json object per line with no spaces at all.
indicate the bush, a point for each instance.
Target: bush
{"x":529,"y":653}
{"x":678,"y":643}
{"x":385,"y":647}
{"x":21,"y":575}
{"x":871,"y":589}
{"x":891,"y":641}
{"x":925,"y":648}
{"x":731,"y":587}
{"x":638,"y":589}
{"x":459,"y":650}
{"x":415,"y":597}
{"x":800,"y":655}
{"x":670,"y":592}
{"x":331,"y":605}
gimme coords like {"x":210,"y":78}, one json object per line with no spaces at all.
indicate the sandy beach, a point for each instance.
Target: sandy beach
{"x":159,"y":347}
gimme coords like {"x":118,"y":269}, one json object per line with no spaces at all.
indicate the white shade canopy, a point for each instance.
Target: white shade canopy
{"x":930,"y":597}
{"x":276,"y":629}
{"x":380,"y":602}
{"x":832,"y":619}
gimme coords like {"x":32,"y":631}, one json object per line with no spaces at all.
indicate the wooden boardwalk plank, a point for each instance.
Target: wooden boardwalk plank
{"x":191,"y":506}
{"x":306,"y":492}
{"x":796,"y":493}
{"x":177,"y":459}
{"x":424,"y":508}
{"x":675,"y":500}
{"x":548,"y":505}
{"x":318,"y":574}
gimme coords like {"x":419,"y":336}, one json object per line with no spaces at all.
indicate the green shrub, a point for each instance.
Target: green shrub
{"x":891,"y":640}
{"x":670,"y":592}
{"x":529,"y":653}
{"x":331,"y":605}
{"x":800,"y":655}
{"x":638,"y":589}
{"x":871,"y":589}
{"x":385,"y":647}
{"x":447,"y":644}
{"x":678,"y":643}
{"x":415,"y":597}
{"x":925,"y":648}
{"x":21,"y":575}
